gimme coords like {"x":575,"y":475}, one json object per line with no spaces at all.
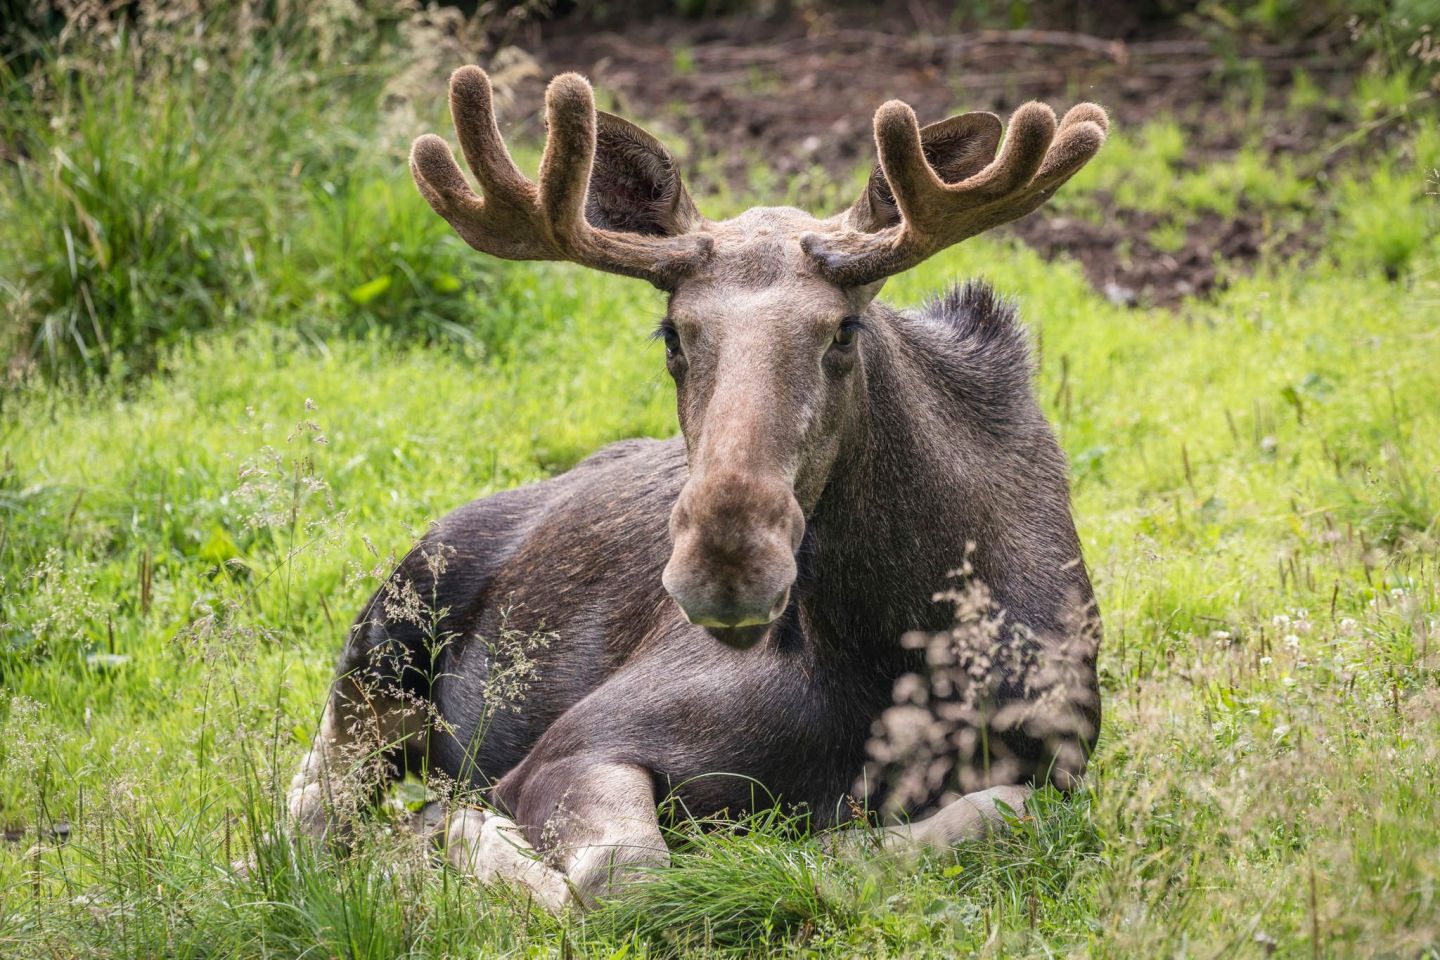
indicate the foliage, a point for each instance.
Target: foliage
{"x":158,"y":188}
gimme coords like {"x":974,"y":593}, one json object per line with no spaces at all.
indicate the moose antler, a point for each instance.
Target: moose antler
{"x":518,"y":220}
{"x":933,"y":214}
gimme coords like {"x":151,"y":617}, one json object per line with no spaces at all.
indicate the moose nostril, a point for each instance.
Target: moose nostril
{"x":781,"y":602}
{"x":733,"y":559}
{"x":709,"y":610}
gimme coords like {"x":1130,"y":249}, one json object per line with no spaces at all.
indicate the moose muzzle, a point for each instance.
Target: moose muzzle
{"x":733,"y":562}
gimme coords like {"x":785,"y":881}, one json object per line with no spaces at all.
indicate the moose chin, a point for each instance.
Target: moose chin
{"x":727,"y":608}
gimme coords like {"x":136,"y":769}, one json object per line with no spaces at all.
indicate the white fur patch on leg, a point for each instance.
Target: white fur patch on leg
{"x":971,"y":817}
{"x":355,"y":729}
{"x":306,"y":801}
{"x":966,"y":818}
{"x":606,"y":834}
{"x":490,"y":847}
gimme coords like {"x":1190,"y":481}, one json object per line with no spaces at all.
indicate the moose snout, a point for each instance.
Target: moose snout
{"x":733,"y":561}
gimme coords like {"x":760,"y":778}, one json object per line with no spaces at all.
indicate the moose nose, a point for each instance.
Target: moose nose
{"x":725,"y":610}
{"x":733,"y":561}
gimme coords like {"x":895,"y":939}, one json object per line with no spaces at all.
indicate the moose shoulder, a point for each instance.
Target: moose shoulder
{"x":719,"y":617}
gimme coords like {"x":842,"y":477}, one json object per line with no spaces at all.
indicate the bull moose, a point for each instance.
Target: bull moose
{"x":719,"y":617}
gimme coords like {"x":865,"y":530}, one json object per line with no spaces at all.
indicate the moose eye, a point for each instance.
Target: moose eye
{"x":672,"y":341}
{"x":848,"y":330}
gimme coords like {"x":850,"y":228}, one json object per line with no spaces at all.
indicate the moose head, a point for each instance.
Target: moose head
{"x":765,"y":331}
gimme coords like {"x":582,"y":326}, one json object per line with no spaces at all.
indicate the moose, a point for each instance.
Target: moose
{"x":720,"y":616}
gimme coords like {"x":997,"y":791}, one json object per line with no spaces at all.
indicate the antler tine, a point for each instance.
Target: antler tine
{"x":501,"y":224}
{"x":1028,"y":136}
{"x":518,"y":220}
{"x":472,"y":107}
{"x":913,"y":183}
{"x":1038,"y":156}
{"x":569,"y":154}
{"x":1082,"y":134}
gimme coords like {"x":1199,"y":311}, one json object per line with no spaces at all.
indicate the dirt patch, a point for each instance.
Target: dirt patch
{"x":792,"y":98}
{"x":1122,"y":260}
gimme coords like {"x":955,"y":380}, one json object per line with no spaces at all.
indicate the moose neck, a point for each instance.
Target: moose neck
{"x":879,"y":545}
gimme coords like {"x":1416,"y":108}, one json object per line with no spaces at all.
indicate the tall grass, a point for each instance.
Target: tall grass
{"x":200,"y":166}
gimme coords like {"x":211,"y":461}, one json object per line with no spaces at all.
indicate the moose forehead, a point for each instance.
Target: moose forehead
{"x":756,"y":271}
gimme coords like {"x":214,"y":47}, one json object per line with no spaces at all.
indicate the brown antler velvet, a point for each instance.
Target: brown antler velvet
{"x":934,"y":213}
{"x":518,"y":220}
{"x":933,"y":187}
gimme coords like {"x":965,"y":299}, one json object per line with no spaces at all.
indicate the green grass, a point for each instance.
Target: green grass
{"x":183,"y":541}
{"x":161,"y":189}
{"x":1378,"y":203}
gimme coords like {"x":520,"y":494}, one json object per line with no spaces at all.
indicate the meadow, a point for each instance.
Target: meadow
{"x":246,"y":365}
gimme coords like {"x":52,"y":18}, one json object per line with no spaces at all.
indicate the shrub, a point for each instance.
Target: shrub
{"x":186,"y":168}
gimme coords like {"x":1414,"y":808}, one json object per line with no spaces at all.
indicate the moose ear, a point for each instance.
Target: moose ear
{"x":635,"y":184}
{"x":956,"y":149}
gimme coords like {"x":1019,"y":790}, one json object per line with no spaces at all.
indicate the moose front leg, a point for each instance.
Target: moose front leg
{"x":595,"y":825}
{"x":366,"y":726}
{"x":971,"y":817}
{"x":491,"y":847}
{"x":605,"y":830}
{"x":966,"y":818}
{"x":368,"y":734}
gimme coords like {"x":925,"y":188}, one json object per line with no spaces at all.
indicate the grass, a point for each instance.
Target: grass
{"x":184,"y":539}
{"x":1379,"y":199}
{"x":164,"y":188}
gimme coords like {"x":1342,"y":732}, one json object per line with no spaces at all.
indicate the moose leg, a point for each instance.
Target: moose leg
{"x":490,"y":847}
{"x":604,"y":830}
{"x":970,"y":817}
{"x":966,"y":818}
{"x":599,"y":826}
{"x":364,"y":733}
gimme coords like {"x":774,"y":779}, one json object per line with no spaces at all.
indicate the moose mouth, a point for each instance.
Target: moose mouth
{"x":743,"y":636}
{"x":740,"y":638}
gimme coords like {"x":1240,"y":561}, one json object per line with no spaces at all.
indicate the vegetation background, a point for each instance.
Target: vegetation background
{"x":244,"y":363}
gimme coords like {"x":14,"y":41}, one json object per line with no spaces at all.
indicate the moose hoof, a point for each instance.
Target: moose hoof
{"x":493,"y":848}
{"x":972,"y":816}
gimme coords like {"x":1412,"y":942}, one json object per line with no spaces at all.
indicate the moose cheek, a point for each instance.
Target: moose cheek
{"x":689,"y":414}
